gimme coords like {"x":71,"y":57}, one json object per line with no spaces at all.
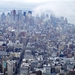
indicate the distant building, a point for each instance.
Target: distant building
{"x":3,"y":17}
{"x":13,"y":15}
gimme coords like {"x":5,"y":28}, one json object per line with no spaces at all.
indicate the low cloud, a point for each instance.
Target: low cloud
{"x":58,"y":8}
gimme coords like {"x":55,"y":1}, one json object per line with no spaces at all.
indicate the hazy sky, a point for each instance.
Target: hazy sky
{"x":64,"y":8}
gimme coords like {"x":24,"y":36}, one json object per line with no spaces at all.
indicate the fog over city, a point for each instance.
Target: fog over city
{"x":37,"y":37}
{"x":58,"y":7}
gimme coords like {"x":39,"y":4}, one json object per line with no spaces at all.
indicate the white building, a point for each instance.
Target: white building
{"x":24,"y":70}
{"x":10,"y":67}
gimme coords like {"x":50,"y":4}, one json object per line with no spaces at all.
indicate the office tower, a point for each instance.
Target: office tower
{"x":13,"y":15}
{"x":20,"y":14}
{"x":29,"y":14}
{"x":66,"y":21}
{"x":17,"y":17}
{"x":47,"y":16}
{"x":24,"y":16}
{"x":24,"y":13}
{"x":42,"y":16}
{"x":3,"y":17}
{"x":8,"y":17}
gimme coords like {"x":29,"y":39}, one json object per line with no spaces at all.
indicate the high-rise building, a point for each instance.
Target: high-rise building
{"x":24,"y":13}
{"x":13,"y":15}
{"x":47,"y":15}
{"x":14,"y":12}
{"x":3,"y":17}
{"x":8,"y":17}
{"x":29,"y":14}
{"x":24,"y":16}
{"x":17,"y":17}
{"x":20,"y":14}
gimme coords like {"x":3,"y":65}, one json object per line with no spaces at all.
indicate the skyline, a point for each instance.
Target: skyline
{"x":58,"y":7}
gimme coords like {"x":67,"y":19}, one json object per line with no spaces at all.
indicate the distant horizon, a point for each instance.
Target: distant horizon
{"x":64,"y":8}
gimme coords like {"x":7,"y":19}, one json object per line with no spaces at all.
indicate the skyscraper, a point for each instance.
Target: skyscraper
{"x":13,"y":15}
